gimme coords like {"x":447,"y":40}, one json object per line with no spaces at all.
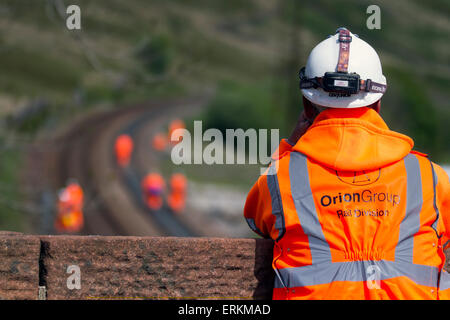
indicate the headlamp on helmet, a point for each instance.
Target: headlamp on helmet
{"x":341,"y":82}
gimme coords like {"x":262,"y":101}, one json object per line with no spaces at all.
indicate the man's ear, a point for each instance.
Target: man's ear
{"x":376,"y":106}
{"x":310,"y":110}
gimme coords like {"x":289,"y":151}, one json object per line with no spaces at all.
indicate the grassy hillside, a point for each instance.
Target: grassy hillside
{"x":249,"y":51}
{"x":132,"y":50}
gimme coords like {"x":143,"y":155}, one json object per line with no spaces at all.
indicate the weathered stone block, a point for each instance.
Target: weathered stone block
{"x":157,"y":268}
{"x":19,"y":266}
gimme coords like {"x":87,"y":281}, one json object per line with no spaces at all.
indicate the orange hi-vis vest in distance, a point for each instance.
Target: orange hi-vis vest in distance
{"x":354,"y":213}
{"x":177,"y":195}
{"x":71,"y":198}
{"x":153,"y":186}
{"x":123,"y":148}
{"x":70,"y":209}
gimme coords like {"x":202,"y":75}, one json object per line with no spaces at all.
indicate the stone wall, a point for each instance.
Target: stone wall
{"x":94,"y":267}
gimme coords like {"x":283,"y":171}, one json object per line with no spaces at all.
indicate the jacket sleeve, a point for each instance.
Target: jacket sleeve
{"x":283,"y":148}
{"x":443,"y":204}
{"x":258,"y":208}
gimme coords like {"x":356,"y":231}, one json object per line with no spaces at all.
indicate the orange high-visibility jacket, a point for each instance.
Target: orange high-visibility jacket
{"x":355,"y":214}
{"x":123,"y":147}
{"x":72,"y":198}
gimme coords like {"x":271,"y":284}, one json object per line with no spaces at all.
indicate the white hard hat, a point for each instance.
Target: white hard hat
{"x":343,"y":56}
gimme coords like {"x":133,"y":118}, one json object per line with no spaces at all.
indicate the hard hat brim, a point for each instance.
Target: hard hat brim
{"x":322,"y":98}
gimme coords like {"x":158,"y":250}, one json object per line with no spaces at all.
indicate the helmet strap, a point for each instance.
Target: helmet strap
{"x":344,"y":50}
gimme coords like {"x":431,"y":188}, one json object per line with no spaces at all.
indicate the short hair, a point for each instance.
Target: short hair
{"x":318,"y":107}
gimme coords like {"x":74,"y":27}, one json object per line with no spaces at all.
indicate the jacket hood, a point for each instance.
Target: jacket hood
{"x":353,"y":140}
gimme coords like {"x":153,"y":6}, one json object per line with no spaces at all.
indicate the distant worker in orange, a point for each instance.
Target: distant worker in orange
{"x":177,"y":196}
{"x":123,"y":148}
{"x":159,"y":142}
{"x":70,"y":208}
{"x":153,"y":186}
{"x":174,"y":125}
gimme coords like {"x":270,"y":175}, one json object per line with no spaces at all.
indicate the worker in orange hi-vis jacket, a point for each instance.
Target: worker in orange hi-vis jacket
{"x":70,"y":209}
{"x":354,"y":212}
{"x":174,"y":125}
{"x":153,"y":187}
{"x":177,"y":195}
{"x":159,"y":141}
{"x":123,"y":148}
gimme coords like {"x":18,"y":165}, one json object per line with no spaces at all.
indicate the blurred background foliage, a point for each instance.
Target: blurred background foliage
{"x":247,"y":52}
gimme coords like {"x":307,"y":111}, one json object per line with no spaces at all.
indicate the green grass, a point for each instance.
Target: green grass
{"x":37,"y":73}
{"x":12,"y":216}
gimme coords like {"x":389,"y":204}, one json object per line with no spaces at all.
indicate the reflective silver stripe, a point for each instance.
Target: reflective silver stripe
{"x":251,"y":223}
{"x":277,"y":205}
{"x":306,"y":209}
{"x":444,"y":280}
{"x":356,"y":271}
{"x":411,"y":222}
{"x":434,"y":225}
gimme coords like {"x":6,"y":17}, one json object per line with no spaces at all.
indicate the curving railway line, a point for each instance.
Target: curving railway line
{"x":113,"y":202}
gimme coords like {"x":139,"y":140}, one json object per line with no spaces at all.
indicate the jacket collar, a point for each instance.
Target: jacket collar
{"x":353,"y":140}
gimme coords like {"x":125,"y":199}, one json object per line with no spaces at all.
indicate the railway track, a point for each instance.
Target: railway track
{"x":113,"y":204}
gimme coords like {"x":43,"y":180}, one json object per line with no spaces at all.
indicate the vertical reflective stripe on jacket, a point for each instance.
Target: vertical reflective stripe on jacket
{"x":306,"y":209}
{"x":277,"y":204}
{"x":444,"y":276}
{"x":434,"y":225}
{"x":411,"y":222}
{"x":323,"y":270}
